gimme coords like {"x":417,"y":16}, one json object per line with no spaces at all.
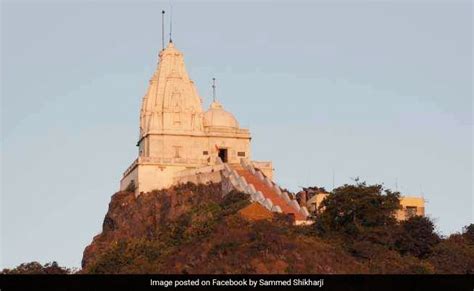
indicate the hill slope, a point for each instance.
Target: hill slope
{"x":193,"y":229}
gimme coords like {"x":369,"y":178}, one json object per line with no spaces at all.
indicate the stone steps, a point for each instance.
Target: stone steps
{"x":268,"y":192}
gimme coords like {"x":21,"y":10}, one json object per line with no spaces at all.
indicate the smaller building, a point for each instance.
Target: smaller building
{"x":411,"y":206}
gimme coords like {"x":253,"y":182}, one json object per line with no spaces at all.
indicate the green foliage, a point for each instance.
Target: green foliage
{"x":417,"y":237}
{"x":454,"y":255}
{"x":233,"y":202}
{"x":143,"y":255}
{"x":351,"y":209}
{"x":130,"y":256}
{"x":223,"y":248}
{"x":468,"y":233}
{"x":37,"y":268}
{"x":197,"y":230}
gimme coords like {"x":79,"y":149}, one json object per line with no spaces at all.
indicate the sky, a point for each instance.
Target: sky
{"x":331,"y":91}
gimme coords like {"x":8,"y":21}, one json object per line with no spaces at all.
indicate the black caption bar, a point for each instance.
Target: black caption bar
{"x":242,"y":282}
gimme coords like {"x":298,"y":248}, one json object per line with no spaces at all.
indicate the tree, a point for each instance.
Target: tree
{"x":351,"y":209}
{"x":454,"y":255}
{"x":37,"y":268}
{"x":417,"y":237}
{"x":468,"y":233}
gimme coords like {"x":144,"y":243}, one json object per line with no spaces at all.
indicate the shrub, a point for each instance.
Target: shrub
{"x":37,"y":268}
{"x":453,"y":256}
{"x":468,"y":233}
{"x":417,"y":237}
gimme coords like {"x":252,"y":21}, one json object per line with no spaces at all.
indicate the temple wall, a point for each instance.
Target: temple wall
{"x":133,"y":175}
{"x":233,"y":145}
{"x":203,"y":175}
{"x":156,"y":177}
{"x":182,"y":146}
{"x":193,"y":147}
{"x":165,"y":155}
{"x":148,"y":177}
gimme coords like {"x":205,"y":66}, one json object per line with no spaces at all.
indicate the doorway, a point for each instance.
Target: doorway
{"x":223,"y":155}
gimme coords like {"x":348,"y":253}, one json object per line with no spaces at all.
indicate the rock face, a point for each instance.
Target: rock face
{"x":143,"y":217}
{"x":193,"y":229}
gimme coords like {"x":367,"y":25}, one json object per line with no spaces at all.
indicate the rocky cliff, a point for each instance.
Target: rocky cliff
{"x":194,"y":229}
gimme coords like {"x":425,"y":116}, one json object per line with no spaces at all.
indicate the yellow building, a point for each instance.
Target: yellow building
{"x":411,"y":206}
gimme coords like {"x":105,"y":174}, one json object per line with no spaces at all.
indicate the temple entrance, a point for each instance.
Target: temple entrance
{"x":223,"y":155}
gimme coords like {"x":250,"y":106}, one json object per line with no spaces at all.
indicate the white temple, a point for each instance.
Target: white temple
{"x":176,"y":135}
{"x":180,"y":143}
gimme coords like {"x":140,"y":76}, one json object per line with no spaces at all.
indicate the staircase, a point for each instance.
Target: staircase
{"x":269,"y":193}
{"x":248,"y":179}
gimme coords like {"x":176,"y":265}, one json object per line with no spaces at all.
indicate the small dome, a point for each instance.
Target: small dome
{"x":216,"y":116}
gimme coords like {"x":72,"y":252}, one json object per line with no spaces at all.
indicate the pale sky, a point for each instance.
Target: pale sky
{"x":379,"y":90}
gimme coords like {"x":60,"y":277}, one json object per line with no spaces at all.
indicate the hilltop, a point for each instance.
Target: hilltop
{"x":194,"y":229}
{"x":191,"y":229}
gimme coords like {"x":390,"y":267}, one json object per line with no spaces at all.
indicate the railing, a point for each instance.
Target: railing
{"x":200,"y":170}
{"x":262,"y":164}
{"x":156,"y":160}
{"x":242,"y":131}
{"x":130,"y":168}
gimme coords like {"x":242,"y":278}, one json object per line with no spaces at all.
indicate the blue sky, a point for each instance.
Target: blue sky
{"x":379,"y":90}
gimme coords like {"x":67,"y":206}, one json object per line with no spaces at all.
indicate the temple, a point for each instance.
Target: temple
{"x":176,"y":134}
{"x":179,"y":142}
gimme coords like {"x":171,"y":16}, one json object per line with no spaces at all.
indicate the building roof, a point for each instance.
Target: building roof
{"x":216,"y":116}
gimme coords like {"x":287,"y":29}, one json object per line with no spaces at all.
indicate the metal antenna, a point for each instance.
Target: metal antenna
{"x":162,"y":29}
{"x":171,"y":21}
{"x":333,"y":178}
{"x":214,"y":89}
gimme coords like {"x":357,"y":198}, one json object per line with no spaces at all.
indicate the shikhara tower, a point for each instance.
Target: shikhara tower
{"x":177,"y":135}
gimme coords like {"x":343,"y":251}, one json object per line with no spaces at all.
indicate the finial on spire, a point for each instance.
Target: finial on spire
{"x":214,"y":89}
{"x":171,"y":21}
{"x":162,"y":29}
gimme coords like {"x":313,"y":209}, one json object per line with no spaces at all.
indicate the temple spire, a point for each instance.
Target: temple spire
{"x":172,"y":101}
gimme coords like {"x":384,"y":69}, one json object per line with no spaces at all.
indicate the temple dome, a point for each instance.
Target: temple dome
{"x":216,"y":116}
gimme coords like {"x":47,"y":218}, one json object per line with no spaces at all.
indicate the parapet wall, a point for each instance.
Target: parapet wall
{"x":202,"y":175}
